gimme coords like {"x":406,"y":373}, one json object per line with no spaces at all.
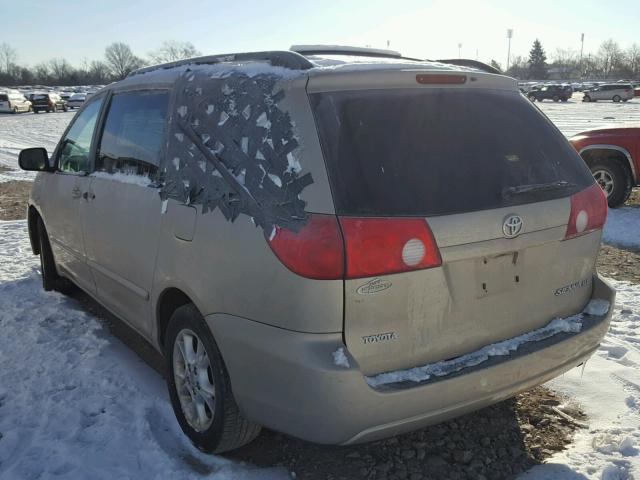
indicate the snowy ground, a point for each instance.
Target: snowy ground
{"x":574,"y":116}
{"x":28,"y":130}
{"x":75,"y":403}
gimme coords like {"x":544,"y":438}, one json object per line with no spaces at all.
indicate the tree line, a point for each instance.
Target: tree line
{"x":610,"y":62}
{"x":118,"y":61}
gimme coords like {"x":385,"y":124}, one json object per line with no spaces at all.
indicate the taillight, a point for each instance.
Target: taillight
{"x":316,"y":251}
{"x":380,"y":246}
{"x":366,"y":247}
{"x":588,"y":212}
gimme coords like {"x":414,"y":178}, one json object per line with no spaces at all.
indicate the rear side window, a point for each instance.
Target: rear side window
{"x":3,"y":98}
{"x":440,"y":151}
{"x":133,"y":133}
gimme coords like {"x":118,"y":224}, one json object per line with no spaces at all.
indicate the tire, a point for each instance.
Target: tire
{"x":564,"y":100}
{"x":64,"y":109}
{"x":616,"y":98}
{"x":50,"y":278}
{"x":223,"y":428}
{"x":15,"y":110}
{"x":556,"y":98}
{"x":613,"y":179}
{"x":586,"y":98}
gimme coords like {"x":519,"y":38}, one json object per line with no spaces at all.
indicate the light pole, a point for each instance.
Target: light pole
{"x":581,"y":49}
{"x":459,"y":50}
{"x":509,"y":35}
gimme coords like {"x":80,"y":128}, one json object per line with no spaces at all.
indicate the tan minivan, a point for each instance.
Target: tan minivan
{"x":341,"y":245}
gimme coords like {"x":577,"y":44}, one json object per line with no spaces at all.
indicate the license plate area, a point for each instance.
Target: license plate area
{"x":497,"y":274}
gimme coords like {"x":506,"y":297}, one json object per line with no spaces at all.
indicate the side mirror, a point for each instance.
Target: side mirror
{"x":34,"y":160}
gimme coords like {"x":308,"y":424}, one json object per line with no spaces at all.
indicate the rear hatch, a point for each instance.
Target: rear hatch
{"x":454,"y":198}
{"x":40,"y":100}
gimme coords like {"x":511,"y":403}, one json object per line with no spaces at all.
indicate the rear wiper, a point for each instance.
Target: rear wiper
{"x":509,"y":192}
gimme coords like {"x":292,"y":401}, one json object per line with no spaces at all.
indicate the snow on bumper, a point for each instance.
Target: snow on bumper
{"x":288,"y":381}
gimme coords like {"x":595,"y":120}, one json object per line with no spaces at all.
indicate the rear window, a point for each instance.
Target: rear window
{"x":3,"y":98}
{"x":435,"y":152}
{"x":41,"y":97}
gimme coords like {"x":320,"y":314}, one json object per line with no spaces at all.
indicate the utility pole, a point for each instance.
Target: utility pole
{"x":581,"y":49}
{"x":509,"y":35}
{"x":459,"y":50}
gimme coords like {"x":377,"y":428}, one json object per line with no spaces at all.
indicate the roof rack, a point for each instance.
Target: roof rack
{"x":465,"y":62}
{"x":277,"y":58}
{"x":345,"y":50}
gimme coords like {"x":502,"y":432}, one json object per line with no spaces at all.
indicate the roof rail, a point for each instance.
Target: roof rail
{"x":277,"y":58}
{"x":465,"y":62}
{"x":345,"y":50}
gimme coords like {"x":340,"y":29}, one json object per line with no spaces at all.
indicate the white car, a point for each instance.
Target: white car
{"x":610,"y":91}
{"x":76,"y":100}
{"x":13,"y":101}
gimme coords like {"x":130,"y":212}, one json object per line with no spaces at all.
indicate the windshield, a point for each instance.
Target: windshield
{"x":441,"y":151}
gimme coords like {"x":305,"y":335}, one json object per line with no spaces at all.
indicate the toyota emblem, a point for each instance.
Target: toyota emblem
{"x":512,"y":226}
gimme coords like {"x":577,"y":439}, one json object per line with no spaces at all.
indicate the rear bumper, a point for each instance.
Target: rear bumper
{"x":288,"y":381}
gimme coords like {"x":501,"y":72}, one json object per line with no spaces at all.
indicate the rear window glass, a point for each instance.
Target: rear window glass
{"x":3,"y":98}
{"x":434,"y":152}
{"x":41,"y":97}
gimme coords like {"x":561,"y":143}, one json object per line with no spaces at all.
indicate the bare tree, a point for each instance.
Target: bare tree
{"x":121,"y":60}
{"x":633,"y":60}
{"x":61,"y":70}
{"x":609,"y":56}
{"x":98,"y":72}
{"x":171,"y":50}
{"x":8,"y":57}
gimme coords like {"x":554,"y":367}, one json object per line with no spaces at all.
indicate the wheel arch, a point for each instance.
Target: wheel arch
{"x":591,"y":153}
{"x":32,"y":225}
{"x":168,"y":302}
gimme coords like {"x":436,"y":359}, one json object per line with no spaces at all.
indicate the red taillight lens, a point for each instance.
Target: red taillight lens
{"x":316,"y":251}
{"x":381,"y":246}
{"x":588,"y":212}
{"x":372,"y":246}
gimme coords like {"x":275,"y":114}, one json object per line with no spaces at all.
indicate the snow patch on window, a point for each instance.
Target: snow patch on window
{"x":121,"y":177}
{"x":572,"y":324}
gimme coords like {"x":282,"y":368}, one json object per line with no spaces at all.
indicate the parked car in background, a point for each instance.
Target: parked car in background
{"x":613,"y":156}
{"x":609,"y":91}
{"x":339,"y":292}
{"x":48,"y":102}
{"x":13,"y":101}
{"x":557,"y":93}
{"x":76,"y":100}
{"x":65,"y":95}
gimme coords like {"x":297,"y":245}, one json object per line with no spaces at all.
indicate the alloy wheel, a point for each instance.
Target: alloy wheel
{"x":194,"y":380}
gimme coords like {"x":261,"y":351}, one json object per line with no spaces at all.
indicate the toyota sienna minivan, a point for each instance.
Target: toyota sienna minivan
{"x":337,"y":244}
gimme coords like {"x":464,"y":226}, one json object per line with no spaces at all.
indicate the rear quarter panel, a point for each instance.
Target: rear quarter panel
{"x":228,"y":266}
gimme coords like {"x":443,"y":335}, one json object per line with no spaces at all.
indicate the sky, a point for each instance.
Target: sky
{"x":79,"y":30}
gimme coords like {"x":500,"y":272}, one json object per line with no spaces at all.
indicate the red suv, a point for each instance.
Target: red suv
{"x":613,"y":155}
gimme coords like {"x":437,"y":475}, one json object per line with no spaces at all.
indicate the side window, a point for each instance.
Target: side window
{"x":133,"y":133}
{"x":74,"y":151}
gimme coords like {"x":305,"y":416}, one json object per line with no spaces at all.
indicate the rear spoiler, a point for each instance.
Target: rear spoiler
{"x":465,"y":62}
